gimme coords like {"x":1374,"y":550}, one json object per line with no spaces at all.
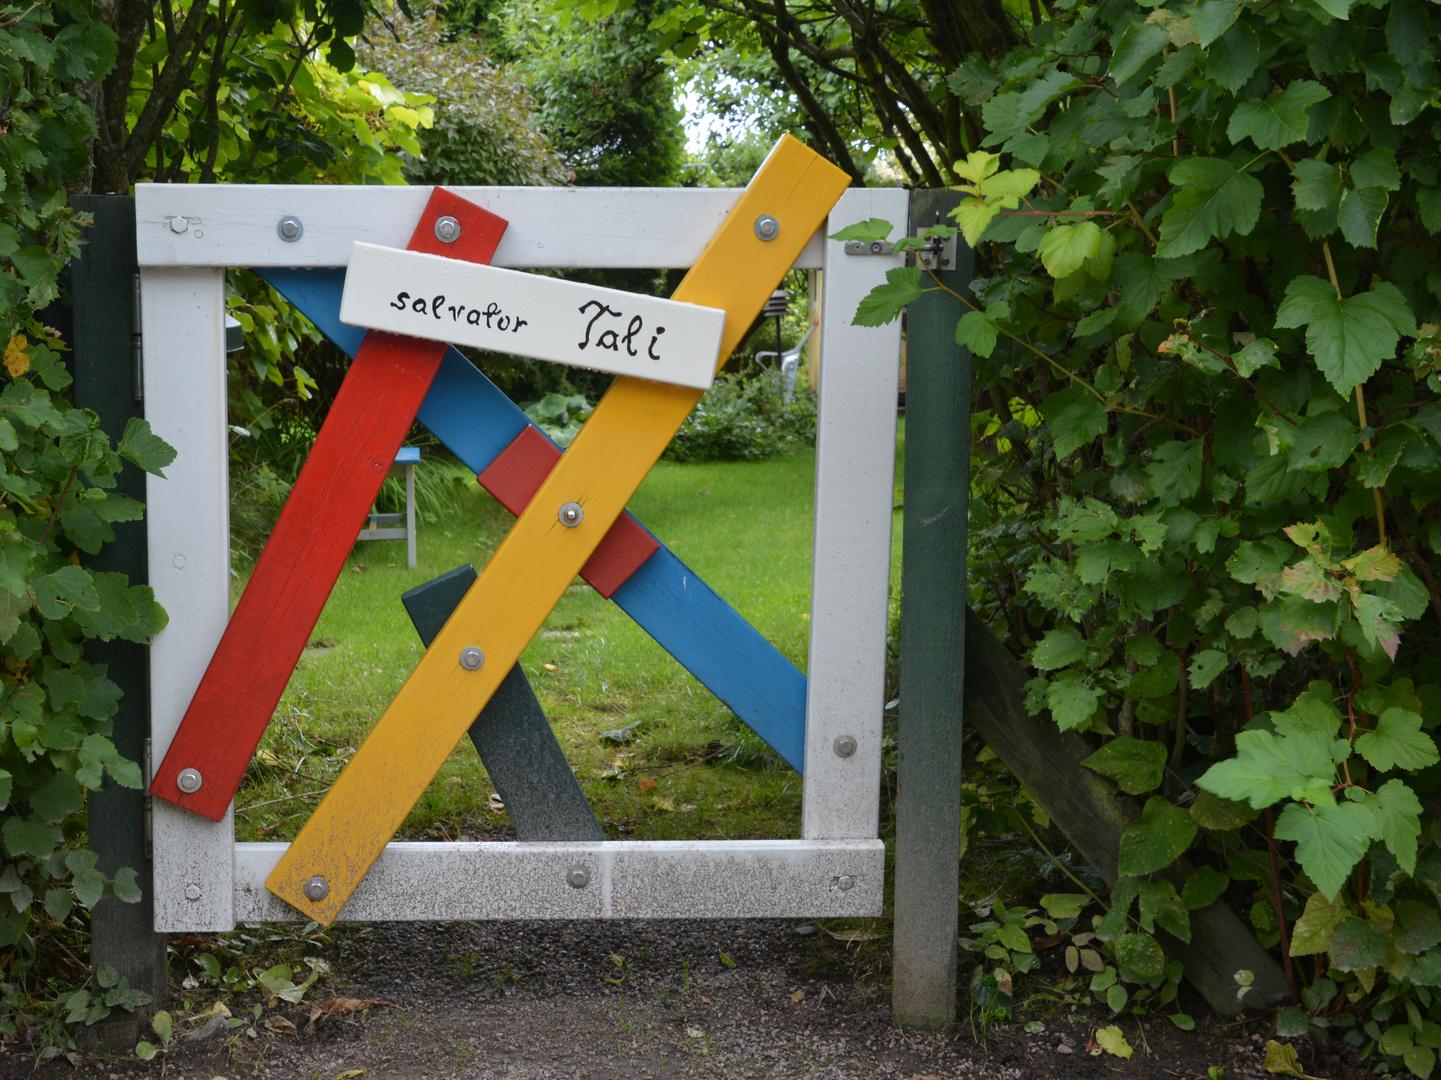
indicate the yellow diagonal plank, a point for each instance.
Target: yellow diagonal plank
{"x":540,"y":557}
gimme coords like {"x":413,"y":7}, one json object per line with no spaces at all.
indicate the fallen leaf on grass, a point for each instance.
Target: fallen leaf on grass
{"x":495,"y":804}
{"x":279,"y":1025}
{"x":645,"y":783}
{"x":660,"y":802}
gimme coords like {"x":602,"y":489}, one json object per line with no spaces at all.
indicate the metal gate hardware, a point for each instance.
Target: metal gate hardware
{"x":290,"y":229}
{"x":571,"y":514}
{"x":188,"y":781}
{"x":767,"y":227}
{"x":471,"y":658}
{"x":447,"y":229}
{"x":869,"y":247}
{"x":578,"y":876}
{"x":845,"y":745}
{"x":938,"y":254}
{"x":317,"y":888}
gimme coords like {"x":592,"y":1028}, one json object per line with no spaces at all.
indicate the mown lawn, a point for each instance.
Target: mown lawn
{"x":686,"y":768}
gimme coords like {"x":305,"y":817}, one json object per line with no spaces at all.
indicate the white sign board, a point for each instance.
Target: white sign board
{"x":508,"y":311}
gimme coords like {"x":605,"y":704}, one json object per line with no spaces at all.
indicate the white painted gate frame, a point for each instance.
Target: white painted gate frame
{"x":204,"y":881}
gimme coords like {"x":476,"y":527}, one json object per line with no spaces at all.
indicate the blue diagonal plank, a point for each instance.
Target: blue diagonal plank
{"x":471,"y":416}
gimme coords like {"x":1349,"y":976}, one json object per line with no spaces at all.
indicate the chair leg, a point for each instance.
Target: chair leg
{"x":410,"y":515}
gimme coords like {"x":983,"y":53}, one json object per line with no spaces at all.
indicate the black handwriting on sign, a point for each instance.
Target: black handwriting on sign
{"x":492,"y":316}
{"x":610,"y":337}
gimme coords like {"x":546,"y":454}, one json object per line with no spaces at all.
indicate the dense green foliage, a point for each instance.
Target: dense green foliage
{"x":744,"y":418}
{"x":57,"y":507}
{"x":1208,"y":448}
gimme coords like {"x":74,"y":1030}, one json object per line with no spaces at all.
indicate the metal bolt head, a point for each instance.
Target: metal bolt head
{"x":845,"y":883}
{"x":317,"y":889}
{"x":447,"y":229}
{"x":571,"y":514}
{"x":192,"y":892}
{"x":471,"y":658}
{"x":845,"y":745}
{"x":290,"y":229}
{"x":767,"y":227}
{"x":578,"y":876}
{"x":179,"y":224}
{"x":189,"y":781}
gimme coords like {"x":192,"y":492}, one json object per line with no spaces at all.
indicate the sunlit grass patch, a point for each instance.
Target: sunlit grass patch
{"x":678,"y":764}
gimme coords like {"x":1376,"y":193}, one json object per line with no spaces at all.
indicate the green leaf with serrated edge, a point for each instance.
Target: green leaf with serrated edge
{"x":976,"y":332}
{"x":1174,"y":473}
{"x":1322,"y":442}
{"x":1280,"y":119}
{"x":1359,"y":214}
{"x":1135,"y":765}
{"x":1213,"y":18}
{"x":1159,"y":905}
{"x":1356,"y":945}
{"x":1418,"y":927}
{"x":1376,"y":168}
{"x":1071,"y":700}
{"x":1139,"y":956}
{"x":1203,"y":888}
{"x":58,"y":799}
{"x":1216,"y":814}
{"x":1330,"y":841}
{"x":868,"y":230}
{"x":1233,"y":59}
{"x":1214,"y":198}
{"x":1347,"y":338}
{"x":885,"y":302}
{"x":1075,"y":417}
{"x":1397,"y":742}
{"x":1254,"y":356}
{"x":1058,"y":648}
{"x":1374,"y":564}
{"x":1291,"y":1022}
{"x":1266,"y":769}
{"x":1396,"y":821}
{"x":1378,"y":619}
{"x":142,"y":447}
{"x":1206,"y":665}
{"x":1138,"y":44}
{"x":1316,"y":185}
{"x":1312,"y":932}
{"x":1156,"y":839}
{"x":1066,"y":248}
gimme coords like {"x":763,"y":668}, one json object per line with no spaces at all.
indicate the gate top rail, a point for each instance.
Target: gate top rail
{"x":550,"y":228}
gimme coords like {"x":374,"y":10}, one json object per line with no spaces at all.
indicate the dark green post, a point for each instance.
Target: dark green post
{"x":103,"y":283}
{"x":933,"y":620}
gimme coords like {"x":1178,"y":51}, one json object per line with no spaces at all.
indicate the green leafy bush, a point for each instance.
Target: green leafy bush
{"x":1206,"y":347}
{"x":743,"y":418}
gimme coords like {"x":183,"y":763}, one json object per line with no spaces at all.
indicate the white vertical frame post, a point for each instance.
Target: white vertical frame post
{"x":187,"y":234}
{"x":851,"y":560}
{"x":183,"y":335}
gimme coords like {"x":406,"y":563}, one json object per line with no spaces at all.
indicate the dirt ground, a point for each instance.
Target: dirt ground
{"x":585,"y":1001}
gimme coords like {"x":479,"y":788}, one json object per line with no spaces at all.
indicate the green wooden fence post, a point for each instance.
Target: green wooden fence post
{"x":933,"y":619}
{"x":105,"y":365}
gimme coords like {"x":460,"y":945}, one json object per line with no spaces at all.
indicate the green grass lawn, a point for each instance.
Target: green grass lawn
{"x":688,"y":769}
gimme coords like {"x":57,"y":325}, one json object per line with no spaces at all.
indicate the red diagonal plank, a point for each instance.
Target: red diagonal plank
{"x":307,"y":549}
{"x":516,"y":475}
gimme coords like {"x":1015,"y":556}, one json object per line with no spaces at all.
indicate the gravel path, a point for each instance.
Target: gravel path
{"x":585,"y":1001}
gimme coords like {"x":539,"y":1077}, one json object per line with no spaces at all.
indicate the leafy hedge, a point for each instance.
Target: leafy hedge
{"x":57,"y":506}
{"x":1208,"y":462}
